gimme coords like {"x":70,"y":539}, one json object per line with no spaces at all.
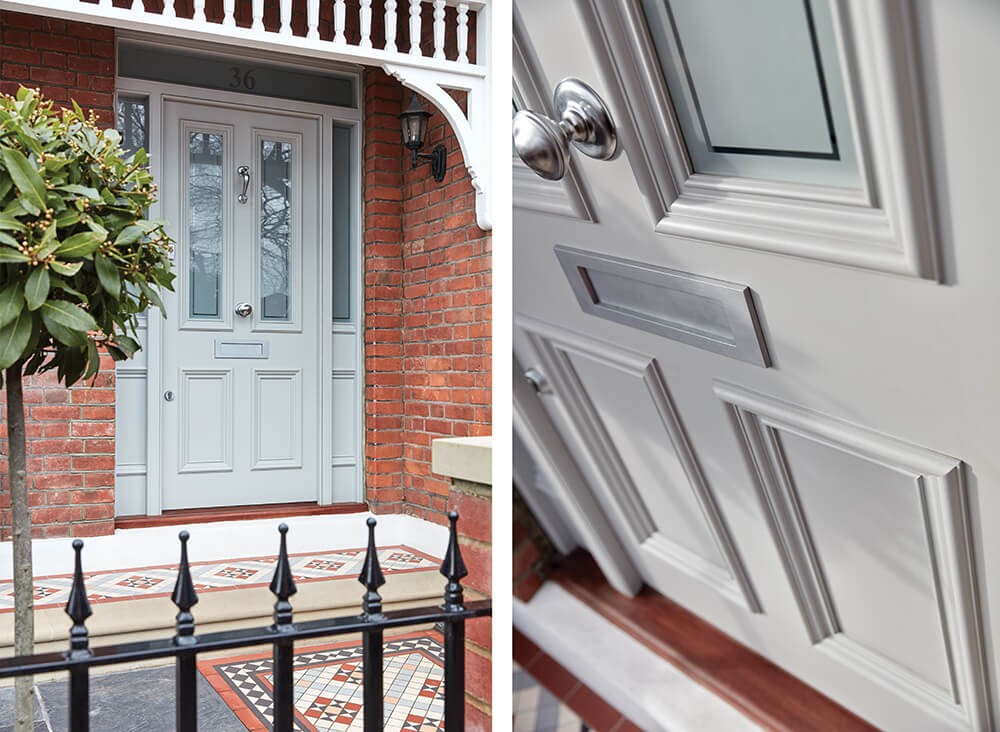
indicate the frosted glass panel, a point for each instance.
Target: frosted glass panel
{"x":757,"y":87}
{"x":342,"y":223}
{"x":275,"y":228}
{"x":205,"y":224}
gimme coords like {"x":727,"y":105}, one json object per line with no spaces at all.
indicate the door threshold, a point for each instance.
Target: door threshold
{"x":236,"y":513}
{"x":760,"y":689}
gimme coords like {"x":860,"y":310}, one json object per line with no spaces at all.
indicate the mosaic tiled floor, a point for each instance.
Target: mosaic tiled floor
{"x":127,"y":584}
{"x":537,"y":710}
{"x":328,"y":685}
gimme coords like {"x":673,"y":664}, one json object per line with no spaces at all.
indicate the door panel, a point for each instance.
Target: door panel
{"x":851,"y":475}
{"x":241,"y":341}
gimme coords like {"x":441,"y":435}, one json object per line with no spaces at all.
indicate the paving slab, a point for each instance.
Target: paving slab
{"x":127,"y":701}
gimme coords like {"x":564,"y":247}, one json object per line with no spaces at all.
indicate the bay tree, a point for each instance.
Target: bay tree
{"x":79,"y":262}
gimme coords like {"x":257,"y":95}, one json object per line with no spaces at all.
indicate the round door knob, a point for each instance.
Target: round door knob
{"x":583,"y":119}
{"x":538,"y":381}
{"x":244,"y":309}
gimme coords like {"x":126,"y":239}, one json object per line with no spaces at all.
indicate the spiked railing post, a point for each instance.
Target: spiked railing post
{"x":283,"y":587}
{"x":371,"y":607}
{"x":453,"y":568}
{"x":185,"y":676}
{"x":78,"y":609}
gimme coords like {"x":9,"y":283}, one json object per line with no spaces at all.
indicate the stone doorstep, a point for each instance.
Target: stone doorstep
{"x":211,"y":627}
{"x":337,"y":596}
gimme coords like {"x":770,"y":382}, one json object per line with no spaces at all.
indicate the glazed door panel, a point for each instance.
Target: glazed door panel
{"x":829,"y":504}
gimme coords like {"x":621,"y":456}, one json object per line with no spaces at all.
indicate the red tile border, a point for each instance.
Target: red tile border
{"x":592,"y":708}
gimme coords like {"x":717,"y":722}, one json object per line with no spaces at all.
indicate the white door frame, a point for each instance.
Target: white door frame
{"x":326,"y":116}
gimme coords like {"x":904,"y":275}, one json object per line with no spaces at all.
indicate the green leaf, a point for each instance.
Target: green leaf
{"x":67,"y":315}
{"x":127,"y":345}
{"x":49,"y":243}
{"x":67,"y":218}
{"x":129,"y":235}
{"x":107,"y":273}
{"x":12,"y":255}
{"x":80,"y":245}
{"x":67,"y":269}
{"x":13,"y":338}
{"x":36,"y":289}
{"x":9,"y":223}
{"x":140,"y":157}
{"x":91,"y":193}
{"x":151,"y":295}
{"x":5,"y":184}
{"x":8,"y":240}
{"x":93,"y":360}
{"x":66,"y":336}
{"x":26,"y":178}
{"x":11,"y":302}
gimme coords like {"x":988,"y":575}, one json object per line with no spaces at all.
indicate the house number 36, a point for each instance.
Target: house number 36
{"x":242,"y":79}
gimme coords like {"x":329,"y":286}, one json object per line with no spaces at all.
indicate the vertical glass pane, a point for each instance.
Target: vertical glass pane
{"x":132,"y":121}
{"x":275,"y":228}
{"x":342,"y":260}
{"x":205,"y":227}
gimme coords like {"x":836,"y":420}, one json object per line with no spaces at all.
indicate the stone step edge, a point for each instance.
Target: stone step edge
{"x":336,"y":596}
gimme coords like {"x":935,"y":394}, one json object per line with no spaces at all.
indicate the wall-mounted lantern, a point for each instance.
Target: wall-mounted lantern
{"x":414,"y":123}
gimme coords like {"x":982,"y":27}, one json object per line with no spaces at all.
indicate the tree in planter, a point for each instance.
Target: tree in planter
{"x":78,"y":262}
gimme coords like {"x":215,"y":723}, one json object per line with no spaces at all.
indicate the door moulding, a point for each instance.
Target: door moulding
{"x":888,"y":225}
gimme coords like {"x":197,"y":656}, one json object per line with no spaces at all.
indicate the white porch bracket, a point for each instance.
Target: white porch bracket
{"x":428,"y":75}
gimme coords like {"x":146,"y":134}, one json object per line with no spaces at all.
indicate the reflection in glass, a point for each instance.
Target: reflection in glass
{"x":342,"y":257}
{"x":275,"y":228}
{"x":205,"y":223}
{"x":132,"y":122}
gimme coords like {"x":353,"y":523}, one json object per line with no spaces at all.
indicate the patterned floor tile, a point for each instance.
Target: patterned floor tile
{"x":537,"y":710}
{"x":329,"y":689}
{"x":125,"y":584}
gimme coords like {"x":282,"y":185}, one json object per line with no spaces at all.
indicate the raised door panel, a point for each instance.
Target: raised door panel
{"x":651,"y":478}
{"x":875,"y":537}
{"x":206,"y":421}
{"x":277,"y":419}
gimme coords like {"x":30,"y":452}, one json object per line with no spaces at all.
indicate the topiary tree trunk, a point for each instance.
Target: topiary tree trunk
{"x":78,"y":262}
{"x":24,"y":592}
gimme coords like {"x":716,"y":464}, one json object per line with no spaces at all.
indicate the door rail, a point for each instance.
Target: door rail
{"x":185,"y":645}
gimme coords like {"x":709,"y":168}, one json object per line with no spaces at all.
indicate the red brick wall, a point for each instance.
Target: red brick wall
{"x":71,"y":456}
{"x":71,"y":450}
{"x":428,"y":316}
{"x":66,"y":60}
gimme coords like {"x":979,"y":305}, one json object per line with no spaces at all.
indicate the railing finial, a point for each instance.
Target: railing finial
{"x":453,"y":568}
{"x":283,"y":584}
{"x":184,"y":596}
{"x":78,"y":606}
{"x":371,"y":575}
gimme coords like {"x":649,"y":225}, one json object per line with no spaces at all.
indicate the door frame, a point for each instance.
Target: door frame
{"x":326,"y":116}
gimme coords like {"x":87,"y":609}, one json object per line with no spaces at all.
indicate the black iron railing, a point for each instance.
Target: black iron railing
{"x":281,"y":635}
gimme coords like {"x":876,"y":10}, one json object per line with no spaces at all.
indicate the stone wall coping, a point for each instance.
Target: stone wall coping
{"x":464,"y":458}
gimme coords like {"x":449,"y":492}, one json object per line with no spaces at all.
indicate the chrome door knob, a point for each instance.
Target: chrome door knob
{"x":583,"y":119}
{"x":538,"y":381}
{"x":244,"y":309}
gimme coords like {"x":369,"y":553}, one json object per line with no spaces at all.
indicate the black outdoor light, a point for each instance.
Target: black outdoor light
{"x":414,"y":123}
